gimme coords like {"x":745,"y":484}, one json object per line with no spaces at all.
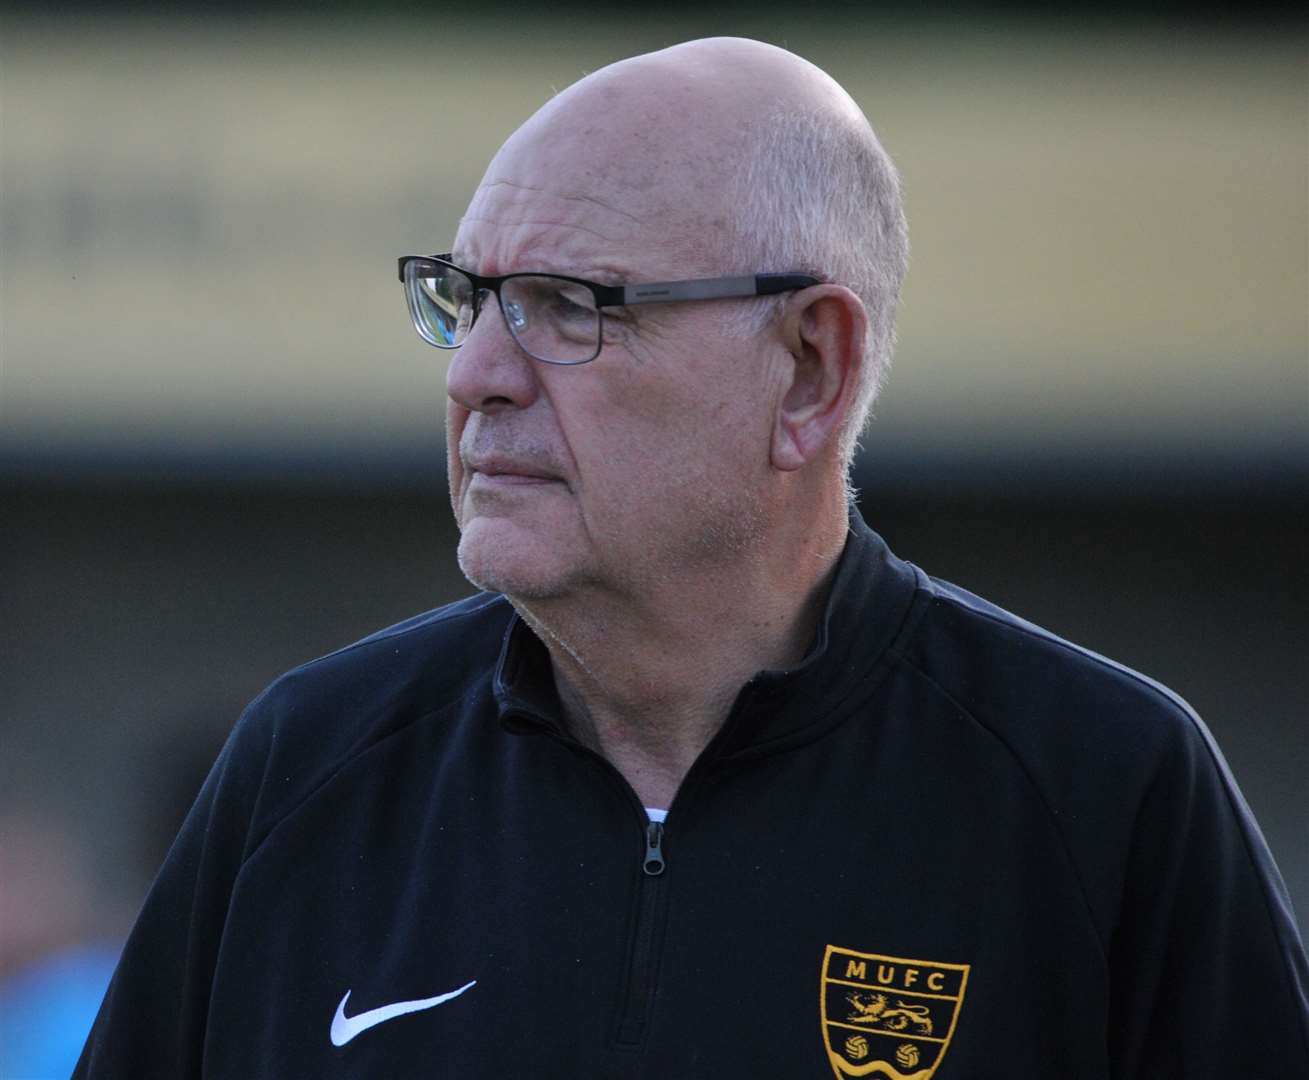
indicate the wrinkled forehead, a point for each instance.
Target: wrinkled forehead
{"x":603,"y":179}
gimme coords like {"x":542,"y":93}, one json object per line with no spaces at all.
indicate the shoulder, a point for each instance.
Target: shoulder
{"x":1122,"y":767}
{"x":419,"y":662}
{"x":309,"y":723}
{"x":1037,"y":691}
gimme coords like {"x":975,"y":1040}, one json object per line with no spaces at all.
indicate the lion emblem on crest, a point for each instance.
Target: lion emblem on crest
{"x":876,"y":1010}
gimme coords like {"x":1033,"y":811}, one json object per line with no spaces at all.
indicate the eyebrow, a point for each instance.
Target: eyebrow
{"x":599,"y":274}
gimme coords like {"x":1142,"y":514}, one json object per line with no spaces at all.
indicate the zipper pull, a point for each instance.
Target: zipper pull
{"x":653,"y":863}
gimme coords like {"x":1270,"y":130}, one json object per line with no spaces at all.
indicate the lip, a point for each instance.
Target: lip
{"x":508,"y":479}
{"x":503,"y":472}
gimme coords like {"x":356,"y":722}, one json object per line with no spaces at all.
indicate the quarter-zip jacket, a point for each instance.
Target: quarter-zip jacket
{"x":948,"y":843}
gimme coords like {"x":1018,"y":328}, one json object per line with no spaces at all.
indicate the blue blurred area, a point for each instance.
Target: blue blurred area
{"x":46,"y":1010}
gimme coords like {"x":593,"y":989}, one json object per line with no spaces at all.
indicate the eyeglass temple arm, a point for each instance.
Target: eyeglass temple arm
{"x":654,"y":292}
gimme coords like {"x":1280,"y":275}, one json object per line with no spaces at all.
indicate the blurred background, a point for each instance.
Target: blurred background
{"x":220,"y":439}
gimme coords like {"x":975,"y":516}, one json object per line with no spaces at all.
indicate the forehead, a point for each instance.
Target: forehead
{"x":513,"y":225}
{"x":582,"y":189}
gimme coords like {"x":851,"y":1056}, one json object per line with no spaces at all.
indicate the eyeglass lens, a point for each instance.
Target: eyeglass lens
{"x":552,"y":319}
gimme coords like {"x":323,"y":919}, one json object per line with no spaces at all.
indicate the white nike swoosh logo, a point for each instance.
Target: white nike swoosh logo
{"x":345,"y":1028}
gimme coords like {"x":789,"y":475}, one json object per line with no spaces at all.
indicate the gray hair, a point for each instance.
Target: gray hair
{"x":816,"y":193}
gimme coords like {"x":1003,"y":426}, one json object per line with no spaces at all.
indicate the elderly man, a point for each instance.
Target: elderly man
{"x":707,"y":782}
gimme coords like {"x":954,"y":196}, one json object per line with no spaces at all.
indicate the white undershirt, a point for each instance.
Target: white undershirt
{"x":655,"y":814}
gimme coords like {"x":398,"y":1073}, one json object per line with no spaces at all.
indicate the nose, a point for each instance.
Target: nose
{"x":489,"y":372}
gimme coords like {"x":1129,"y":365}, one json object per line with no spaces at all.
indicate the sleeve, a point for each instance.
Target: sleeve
{"x":152,"y":1020}
{"x":1208,"y":971}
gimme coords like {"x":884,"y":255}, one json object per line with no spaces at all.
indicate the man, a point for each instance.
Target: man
{"x":442,"y":851}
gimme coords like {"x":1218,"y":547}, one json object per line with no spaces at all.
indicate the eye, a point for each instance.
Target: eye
{"x":572,"y":303}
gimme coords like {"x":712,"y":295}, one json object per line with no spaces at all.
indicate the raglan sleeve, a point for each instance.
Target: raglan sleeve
{"x":152,"y":1020}
{"x":1208,"y":971}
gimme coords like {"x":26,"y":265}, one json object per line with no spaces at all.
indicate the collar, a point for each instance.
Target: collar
{"x":869,"y":599}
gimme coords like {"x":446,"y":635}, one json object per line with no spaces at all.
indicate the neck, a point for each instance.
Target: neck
{"x":648,"y":683}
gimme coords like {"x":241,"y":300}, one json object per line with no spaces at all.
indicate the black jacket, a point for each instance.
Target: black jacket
{"x":947,"y":841}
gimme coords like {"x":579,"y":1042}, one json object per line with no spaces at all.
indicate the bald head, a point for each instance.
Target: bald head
{"x":670,"y":129}
{"x":693,"y":103}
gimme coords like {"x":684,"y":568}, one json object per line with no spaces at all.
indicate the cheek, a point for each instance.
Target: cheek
{"x":656,"y":421}
{"x":660,"y":439}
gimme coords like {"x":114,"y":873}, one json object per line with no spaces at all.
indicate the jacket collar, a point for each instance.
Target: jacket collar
{"x":870,"y":597}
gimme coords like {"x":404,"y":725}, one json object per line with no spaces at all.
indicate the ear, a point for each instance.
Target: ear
{"x":824,"y":328}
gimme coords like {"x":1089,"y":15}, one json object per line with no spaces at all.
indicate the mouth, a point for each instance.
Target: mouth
{"x":503,"y":472}
{"x":507,"y":479}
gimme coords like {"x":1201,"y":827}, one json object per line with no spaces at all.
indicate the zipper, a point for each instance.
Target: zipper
{"x":630,"y":1029}
{"x":632,"y":1020}
{"x":653,"y":864}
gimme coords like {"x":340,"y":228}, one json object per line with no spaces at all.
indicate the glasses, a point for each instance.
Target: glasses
{"x":555,"y":319}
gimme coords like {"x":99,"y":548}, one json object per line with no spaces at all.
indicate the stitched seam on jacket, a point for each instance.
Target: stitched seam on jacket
{"x":356,"y":752}
{"x":1036,"y":788}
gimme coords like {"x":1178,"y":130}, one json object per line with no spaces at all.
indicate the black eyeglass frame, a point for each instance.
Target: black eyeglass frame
{"x":646,"y":292}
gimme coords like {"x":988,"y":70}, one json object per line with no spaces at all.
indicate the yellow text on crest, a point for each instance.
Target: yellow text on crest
{"x":895,"y":976}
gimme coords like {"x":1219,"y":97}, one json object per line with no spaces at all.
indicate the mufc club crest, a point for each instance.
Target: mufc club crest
{"x":888,"y":1016}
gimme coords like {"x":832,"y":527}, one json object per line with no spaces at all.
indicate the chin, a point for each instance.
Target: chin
{"x":509,"y":561}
